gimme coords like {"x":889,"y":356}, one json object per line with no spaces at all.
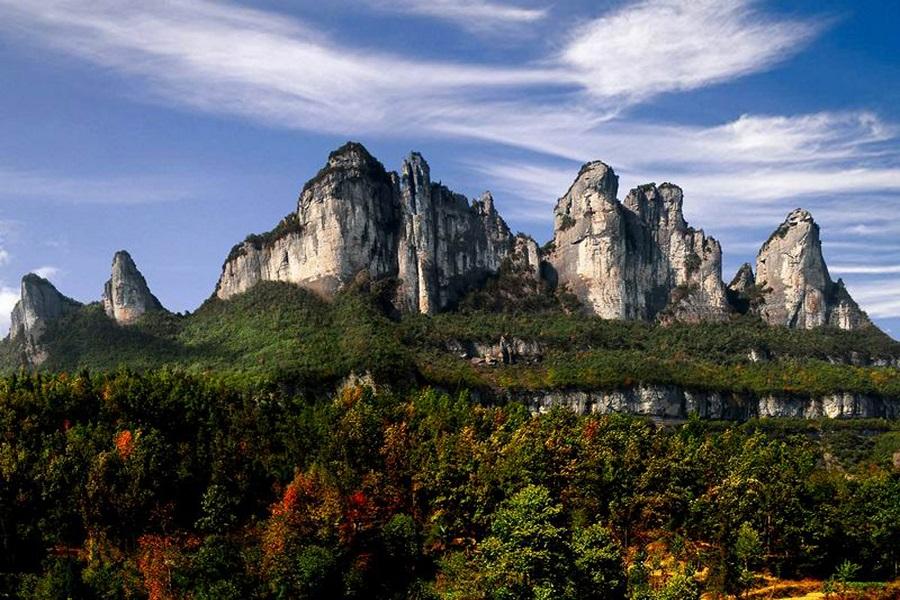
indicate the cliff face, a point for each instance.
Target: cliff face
{"x":126,"y":296}
{"x":346,"y":222}
{"x":637,"y":260}
{"x":40,"y":303}
{"x":355,"y":217}
{"x":793,"y":278}
{"x":673,"y":402}
{"x":447,"y":246}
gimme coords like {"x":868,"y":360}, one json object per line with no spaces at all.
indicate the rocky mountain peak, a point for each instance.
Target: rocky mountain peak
{"x":350,"y":161}
{"x":797,"y":290}
{"x":486,"y":204}
{"x":635,"y":259}
{"x":126,"y":296}
{"x":39,"y":304}
{"x":659,"y":207}
{"x":744,"y":280}
{"x":352,"y":155}
{"x":595,"y":179}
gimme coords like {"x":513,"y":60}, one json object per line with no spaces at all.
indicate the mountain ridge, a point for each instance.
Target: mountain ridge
{"x":392,"y":266}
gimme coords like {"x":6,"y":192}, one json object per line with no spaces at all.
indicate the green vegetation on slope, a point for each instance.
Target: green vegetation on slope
{"x":164,"y":485}
{"x":283,"y":333}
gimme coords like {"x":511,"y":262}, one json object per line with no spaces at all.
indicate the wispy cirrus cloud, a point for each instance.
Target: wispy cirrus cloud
{"x":476,"y":15}
{"x":225,"y":59}
{"x":646,"y":48}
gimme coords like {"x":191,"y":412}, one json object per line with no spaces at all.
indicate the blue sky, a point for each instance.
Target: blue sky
{"x":173,"y":129}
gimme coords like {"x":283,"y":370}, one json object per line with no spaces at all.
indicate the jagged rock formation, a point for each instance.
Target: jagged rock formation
{"x":346,"y":222}
{"x":796,"y":288}
{"x":446,"y":245}
{"x":742,"y":291}
{"x":126,"y":296}
{"x":637,"y":260}
{"x":40,"y":303}
{"x":355,"y":217}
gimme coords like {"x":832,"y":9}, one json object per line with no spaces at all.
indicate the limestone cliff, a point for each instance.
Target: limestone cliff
{"x":744,"y":281}
{"x":796,"y":288}
{"x":39,"y":304}
{"x":637,"y":260}
{"x":346,"y":222}
{"x":356,"y":217}
{"x":126,"y":296}
{"x":447,"y":245}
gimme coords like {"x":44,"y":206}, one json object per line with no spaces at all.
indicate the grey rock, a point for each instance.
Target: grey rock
{"x":638,"y":259}
{"x":506,"y":351}
{"x":796,"y":288}
{"x":355,"y":217}
{"x":672,"y":402}
{"x":447,"y":246}
{"x":346,"y":222}
{"x":126,"y":296}
{"x":40,"y":303}
{"x":744,"y":281}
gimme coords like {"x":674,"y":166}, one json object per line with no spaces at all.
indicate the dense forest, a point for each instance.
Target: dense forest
{"x":166,"y":484}
{"x":280,"y":446}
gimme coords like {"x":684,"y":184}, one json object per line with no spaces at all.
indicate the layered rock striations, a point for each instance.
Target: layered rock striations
{"x":40,"y":303}
{"x":356,"y":217}
{"x":637,"y":259}
{"x":794,"y":283}
{"x":126,"y":296}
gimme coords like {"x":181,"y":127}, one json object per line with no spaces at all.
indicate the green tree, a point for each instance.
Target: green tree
{"x":525,"y":555}
{"x":747,"y":553}
{"x":598,"y":564}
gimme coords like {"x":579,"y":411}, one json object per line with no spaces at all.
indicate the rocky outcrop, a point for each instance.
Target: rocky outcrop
{"x":637,"y":260}
{"x":40,"y":303}
{"x":356,"y":217}
{"x":506,"y":351}
{"x":346,"y":222}
{"x":447,"y":246}
{"x":126,"y":296}
{"x":793,"y":279}
{"x":744,"y":281}
{"x":671,"y":402}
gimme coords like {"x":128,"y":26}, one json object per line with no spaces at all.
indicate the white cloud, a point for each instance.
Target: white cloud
{"x":47,"y":272}
{"x":865,"y":269}
{"x":8,"y":298}
{"x":880,"y":299}
{"x":4,"y":257}
{"x":478,"y":15}
{"x":657,"y":46}
{"x":221,"y":58}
